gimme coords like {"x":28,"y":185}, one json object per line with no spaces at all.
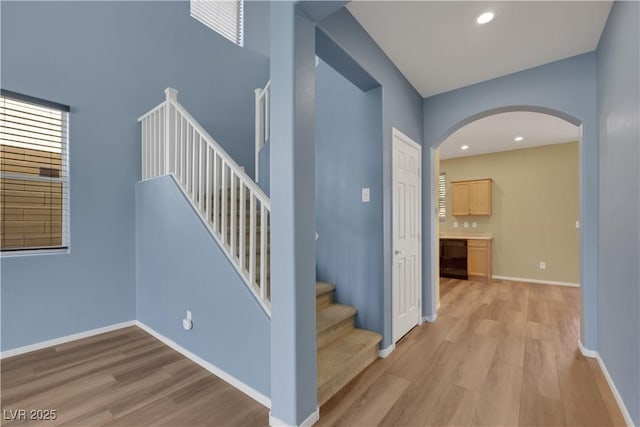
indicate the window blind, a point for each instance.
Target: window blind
{"x":224,"y":17}
{"x":34,"y":178}
{"x":442,"y":196}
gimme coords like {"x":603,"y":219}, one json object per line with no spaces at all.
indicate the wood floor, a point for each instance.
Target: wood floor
{"x":500,"y":354}
{"x":122,"y":378}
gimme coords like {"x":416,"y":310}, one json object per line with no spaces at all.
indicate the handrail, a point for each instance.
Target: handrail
{"x":233,"y":207}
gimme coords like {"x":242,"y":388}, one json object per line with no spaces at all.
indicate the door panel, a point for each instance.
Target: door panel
{"x":407,"y":267}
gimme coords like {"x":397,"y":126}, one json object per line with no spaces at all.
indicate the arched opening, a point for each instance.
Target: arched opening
{"x":432,"y":283}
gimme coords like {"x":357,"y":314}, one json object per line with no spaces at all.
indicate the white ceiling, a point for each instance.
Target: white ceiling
{"x":496,"y":133}
{"x":438,"y":45}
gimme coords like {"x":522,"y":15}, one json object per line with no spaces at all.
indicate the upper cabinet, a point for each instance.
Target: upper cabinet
{"x":471,"y":197}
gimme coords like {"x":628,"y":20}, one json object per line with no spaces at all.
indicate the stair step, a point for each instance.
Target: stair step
{"x":343,"y":359}
{"x":324,"y":294}
{"x":332,"y":322}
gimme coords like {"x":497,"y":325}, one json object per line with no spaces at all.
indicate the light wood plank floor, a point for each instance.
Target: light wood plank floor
{"x":122,"y":378}
{"x":499,"y":354}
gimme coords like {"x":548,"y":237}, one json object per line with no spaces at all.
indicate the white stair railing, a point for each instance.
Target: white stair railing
{"x":233,"y":207}
{"x":262,"y":122}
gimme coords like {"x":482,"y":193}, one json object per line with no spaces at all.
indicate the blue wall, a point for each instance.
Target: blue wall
{"x":564,"y":88}
{"x":180,"y":267}
{"x":619,"y":285}
{"x":110,"y":63}
{"x":349,"y":158}
{"x":402,"y":109}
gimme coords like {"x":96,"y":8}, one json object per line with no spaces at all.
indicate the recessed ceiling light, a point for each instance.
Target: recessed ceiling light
{"x":518,"y":138}
{"x":464,"y":147}
{"x":485,"y":18}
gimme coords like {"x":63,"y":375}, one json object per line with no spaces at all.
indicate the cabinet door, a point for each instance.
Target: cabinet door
{"x":477,"y":262}
{"x":460,"y":198}
{"x":480,"y":197}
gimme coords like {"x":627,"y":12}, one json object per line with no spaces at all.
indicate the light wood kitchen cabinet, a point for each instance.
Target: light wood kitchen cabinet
{"x":471,"y":197}
{"x":479,"y":259}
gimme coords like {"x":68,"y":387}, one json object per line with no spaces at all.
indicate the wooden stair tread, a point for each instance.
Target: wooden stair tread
{"x":335,"y":357}
{"x":324,"y":287}
{"x":332,"y":315}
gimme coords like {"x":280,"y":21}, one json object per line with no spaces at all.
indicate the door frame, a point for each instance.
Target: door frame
{"x":397,"y":134}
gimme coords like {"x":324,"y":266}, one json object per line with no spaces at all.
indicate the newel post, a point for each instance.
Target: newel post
{"x":169,"y":126}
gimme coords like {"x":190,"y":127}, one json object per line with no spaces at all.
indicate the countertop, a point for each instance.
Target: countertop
{"x":472,"y":236}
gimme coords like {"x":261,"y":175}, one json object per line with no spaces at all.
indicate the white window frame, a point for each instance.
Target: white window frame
{"x":65,"y":247}
{"x":220,"y":16}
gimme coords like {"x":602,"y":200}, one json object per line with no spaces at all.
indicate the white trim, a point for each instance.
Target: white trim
{"x":614,"y":390}
{"x":246,"y":389}
{"x":385,"y":352}
{"x":431,"y":318}
{"x":308,"y":422}
{"x":543,"y":282}
{"x":65,"y":339}
{"x":586,"y":352}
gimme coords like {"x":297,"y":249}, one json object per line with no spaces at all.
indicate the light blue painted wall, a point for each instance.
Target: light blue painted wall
{"x":292,"y":220}
{"x":565,"y":88}
{"x":401,"y":108}
{"x":180,"y":267}
{"x":111,"y":62}
{"x":618,"y":59}
{"x":349,"y":158}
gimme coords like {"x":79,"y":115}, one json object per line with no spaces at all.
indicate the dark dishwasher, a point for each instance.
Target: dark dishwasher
{"x":453,"y":258}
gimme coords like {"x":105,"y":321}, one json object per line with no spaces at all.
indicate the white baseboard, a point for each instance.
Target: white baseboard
{"x":594,"y":354}
{"x":246,"y":389}
{"x":586,"y":352}
{"x":311,"y":420}
{"x":62,"y":340}
{"x":543,"y":282}
{"x":431,"y":318}
{"x":386,"y":351}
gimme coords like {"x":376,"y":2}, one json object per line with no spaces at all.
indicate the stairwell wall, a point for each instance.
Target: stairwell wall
{"x":110,"y":63}
{"x":348,"y":147}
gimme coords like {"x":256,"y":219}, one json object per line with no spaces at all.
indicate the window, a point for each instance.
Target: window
{"x":442,"y":196}
{"x":34,"y":178}
{"x":224,"y":17}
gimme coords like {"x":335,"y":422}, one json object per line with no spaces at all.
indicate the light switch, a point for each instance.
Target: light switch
{"x":577,"y":224}
{"x":365,"y":195}
{"x":455,"y":224}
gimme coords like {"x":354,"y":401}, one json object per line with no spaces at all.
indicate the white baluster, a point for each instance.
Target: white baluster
{"x":223,"y":202}
{"x":263,"y":252}
{"x":232,"y":202}
{"x":242,"y":229}
{"x":252,"y":240}
{"x":207,"y":195}
{"x":215,"y":192}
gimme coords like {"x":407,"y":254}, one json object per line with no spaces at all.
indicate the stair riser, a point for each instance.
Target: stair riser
{"x":324,"y":300}
{"x":346,"y":374}
{"x":336,"y":331}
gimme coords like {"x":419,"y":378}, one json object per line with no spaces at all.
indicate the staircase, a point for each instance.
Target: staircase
{"x":343,"y":350}
{"x":236,"y":212}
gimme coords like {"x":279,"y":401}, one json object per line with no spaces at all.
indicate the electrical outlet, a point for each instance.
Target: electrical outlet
{"x":366,"y":195}
{"x":187,"y":323}
{"x":543,"y":265}
{"x":466,"y":224}
{"x":577,"y":224}
{"x":474,"y":225}
{"x":455,"y":224}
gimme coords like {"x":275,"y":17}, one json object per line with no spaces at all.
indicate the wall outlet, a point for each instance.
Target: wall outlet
{"x":474,"y":225}
{"x":187,"y":323}
{"x":577,"y":224}
{"x":466,"y":224}
{"x":543,"y":265}
{"x":366,"y":195}
{"x":455,"y":224}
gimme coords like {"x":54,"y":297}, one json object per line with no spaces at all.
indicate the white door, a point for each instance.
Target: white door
{"x":407,"y":220}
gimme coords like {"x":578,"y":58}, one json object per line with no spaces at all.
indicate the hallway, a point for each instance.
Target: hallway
{"x":503,"y":353}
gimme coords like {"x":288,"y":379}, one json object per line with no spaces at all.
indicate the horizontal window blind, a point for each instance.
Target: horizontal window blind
{"x":224,"y":17}
{"x":442,"y":196}
{"x":34,"y":179}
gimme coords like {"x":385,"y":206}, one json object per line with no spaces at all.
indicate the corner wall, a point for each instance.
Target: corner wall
{"x":618,"y":85}
{"x":110,"y":64}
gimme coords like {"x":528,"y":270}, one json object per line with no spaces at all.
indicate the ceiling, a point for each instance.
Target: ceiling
{"x":438,"y":45}
{"x":496,"y":133}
